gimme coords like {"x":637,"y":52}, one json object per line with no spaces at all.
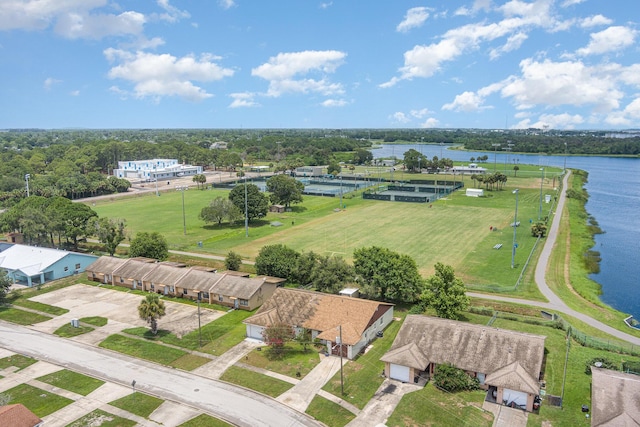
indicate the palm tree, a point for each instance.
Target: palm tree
{"x":151,"y":309}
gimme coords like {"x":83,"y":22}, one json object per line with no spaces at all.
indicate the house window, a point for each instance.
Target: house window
{"x":185,"y":292}
{"x":66,"y":269}
{"x":220,"y":298}
{"x":153,"y":287}
{"x":205,"y":295}
{"x":77,"y":266}
{"x":244,"y":302}
{"x":381,"y":321}
{"x":121,"y":280}
{"x":171,"y":289}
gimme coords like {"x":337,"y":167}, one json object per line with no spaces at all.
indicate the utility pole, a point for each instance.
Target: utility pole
{"x":515,"y":225}
{"x":246,"y":209}
{"x":341,"y":374}
{"x":541,"y":182}
{"x":183,"y":188}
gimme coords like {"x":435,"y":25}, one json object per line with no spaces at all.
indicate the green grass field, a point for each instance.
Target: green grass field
{"x":72,"y":381}
{"x":455,"y":231}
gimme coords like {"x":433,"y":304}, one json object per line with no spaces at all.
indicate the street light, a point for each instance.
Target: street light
{"x":515,"y":224}
{"x":199,"y":324}
{"x":246,"y":210}
{"x":341,"y":376}
{"x":183,"y":188}
{"x":155,"y":173}
{"x":541,"y":182}
{"x":26,"y":178}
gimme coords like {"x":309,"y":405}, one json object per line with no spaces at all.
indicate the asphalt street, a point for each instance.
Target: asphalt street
{"x":237,"y":405}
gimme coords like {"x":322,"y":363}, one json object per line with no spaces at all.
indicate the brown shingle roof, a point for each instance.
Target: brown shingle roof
{"x":17,"y":415}
{"x":134,"y":269}
{"x":320,"y":312}
{"x":238,"y":287}
{"x":471,"y":347}
{"x":199,"y":280}
{"x":513,"y":377}
{"x":106,"y":265}
{"x":615,"y":399}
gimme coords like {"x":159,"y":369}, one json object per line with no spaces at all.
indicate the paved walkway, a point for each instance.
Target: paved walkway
{"x":300,"y":395}
{"x":216,"y":368}
{"x":383,"y":403}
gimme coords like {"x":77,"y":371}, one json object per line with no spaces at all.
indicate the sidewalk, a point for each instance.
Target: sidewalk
{"x":383,"y":403}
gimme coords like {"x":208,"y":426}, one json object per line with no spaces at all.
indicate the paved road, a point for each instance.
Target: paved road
{"x":555,"y":303}
{"x":239,"y":406}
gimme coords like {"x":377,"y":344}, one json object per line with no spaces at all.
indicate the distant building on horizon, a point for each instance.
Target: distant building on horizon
{"x":153,"y":169}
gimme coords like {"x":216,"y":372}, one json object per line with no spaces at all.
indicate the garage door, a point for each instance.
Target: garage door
{"x":255,"y":332}
{"x":400,"y":373}
{"x":517,"y":397}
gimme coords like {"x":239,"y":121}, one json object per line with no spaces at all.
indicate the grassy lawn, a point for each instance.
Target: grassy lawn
{"x":94,"y":320}
{"x":328,"y":412}
{"x":21,"y":317}
{"x":362,"y":376}
{"x":189,"y":362}
{"x":295,"y":361}
{"x":68,"y":331}
{"x":142,"y":349}
{"x":100,"y":418}
{"x":17,"y":360}
{"x":218,"y":336}
{"x":433,"y":407}
{"x":137,"y":403}
{"x":38,"y":306}
{"x":204,"y":420}
{"x":40,"y":402}
{"x":72,"y":381}
{"x":255,"y":381}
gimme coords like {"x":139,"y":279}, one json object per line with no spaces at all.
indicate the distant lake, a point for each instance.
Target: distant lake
{"x":614,"y":201}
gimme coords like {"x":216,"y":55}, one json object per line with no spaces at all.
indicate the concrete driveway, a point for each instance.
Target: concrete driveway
{"x":120,"y":307}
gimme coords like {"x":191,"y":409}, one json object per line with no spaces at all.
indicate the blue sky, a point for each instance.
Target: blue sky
{"x":557,"y":64}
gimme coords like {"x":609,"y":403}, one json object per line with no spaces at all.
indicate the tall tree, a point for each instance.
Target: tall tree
{"x":110,"y":232}
{"x":78,"y":219}
{"x":221,"y":209}
{"x":257,"y":203}
{"x":330,"y":274}
{"x":151,"y":309}
{"x":387,"y":275}
{"x":276,"y":260}
{"x":285,"y":190}
{"x":149,"y":245}
{"x":233,"y":261}
{"x":5,"y":284}
{"x":445,"y":293}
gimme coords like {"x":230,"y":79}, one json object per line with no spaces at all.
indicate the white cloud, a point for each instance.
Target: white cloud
{"x":74,"y":93}
{"x":158,"y":75}
{"x":609,"y":40}
{"x":226,"y":4}
{"x":172,"y":13}
{"x":418,"y":114}
{"x":513,"y":43}
{"x":39,"y":14}
{"x":244,"y":99}
{"x":477,"y":6}
{"x":415,"y":17}
{"x":399,"y":117}
{"x":326,"y":5}
{"x":466,"y":102}
{"x":334,"y":103}
{"x":430,"y":123}
{"x":563,"y":83}
{"x":285,"y":72}
{"x":595,"y":21}
{"x":49,"y":82}
{"x":568,"y":3}
{"x":80,"y":25}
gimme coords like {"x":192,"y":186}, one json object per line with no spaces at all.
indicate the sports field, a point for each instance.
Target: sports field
{"x":457,"y":230}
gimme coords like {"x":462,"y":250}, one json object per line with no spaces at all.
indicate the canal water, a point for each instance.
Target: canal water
{"x":614,"y":201}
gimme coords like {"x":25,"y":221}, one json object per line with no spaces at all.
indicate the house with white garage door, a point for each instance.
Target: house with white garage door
{"x":506,"y":363}
{"x":327,"y":316}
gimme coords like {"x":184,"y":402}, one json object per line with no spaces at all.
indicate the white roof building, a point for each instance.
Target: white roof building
{"x":154,"y":169}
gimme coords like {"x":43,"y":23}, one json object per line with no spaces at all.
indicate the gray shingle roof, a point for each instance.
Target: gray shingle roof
{"x":615,"y":398}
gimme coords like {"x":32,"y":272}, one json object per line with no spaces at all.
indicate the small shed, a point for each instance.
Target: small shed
{"x":475,"y":192}
{"x":276,"y":208}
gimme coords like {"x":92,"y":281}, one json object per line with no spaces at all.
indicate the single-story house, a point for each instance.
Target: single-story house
{"x":506,"y":362}
{"x":615,"y":398}
{"x":327,"y":316}
{"x":17,"y":415}
{"x":31,"y":265}
{"x":231,"y":289}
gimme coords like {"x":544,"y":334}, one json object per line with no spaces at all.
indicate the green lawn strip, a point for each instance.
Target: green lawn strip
{"x":143,"y":349}
{"x":17,"y":360}
{"x":255,"y":381}
{"x":40,"y":402}
{"x":204,"y":420}
{"x":94,"y":320}
{"x":138,"y":403}
{"x":329,"y":413}
{"x":217,"y":336}
{"x":433,"y":407}
{"x":189,"y":362}
{"x":295,"y":362}
{"x":72,"y":381}
{"x":99,"y":418}
{"x":21,"y":317}
{"x":38,"y":306}
{"x":68,"y":331}
{"x":362,"y":376}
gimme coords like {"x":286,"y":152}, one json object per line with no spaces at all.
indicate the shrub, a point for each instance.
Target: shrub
{"x":606,"y":364}
{"x":451,"y":379}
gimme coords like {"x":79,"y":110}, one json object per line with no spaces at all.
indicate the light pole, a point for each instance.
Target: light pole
{"x":155,"y":173}
{"x":515,"y":224}
{"x":246,"y":210}
{"x":26,"y":178}
{"x":564,"y":169}
{"x":495,"y":154}
{"x":341,"y":375}
{"x":541,"y":182}
{"x":340,"y":192}
{"x":199,"y":325}
{"x":183,"y":188}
